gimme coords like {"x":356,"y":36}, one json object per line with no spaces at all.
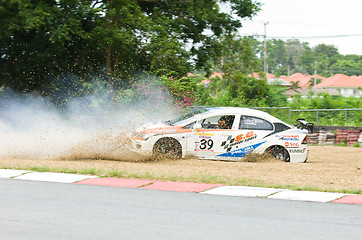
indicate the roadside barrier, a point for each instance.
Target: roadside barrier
{"x":341,"y":136}
{"x":352,"y":136}
{"x":313,"y":138}
{"x":323,"y":137}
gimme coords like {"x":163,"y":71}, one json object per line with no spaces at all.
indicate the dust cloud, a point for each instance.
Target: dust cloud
{"x":94,"y":126}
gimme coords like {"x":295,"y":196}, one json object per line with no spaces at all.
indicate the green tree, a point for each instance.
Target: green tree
{"x":291,"y":56}
{"x":294,"y":50}
{"x":326,"y":50}
{"x":349,"y":65}
{"x":238,"y":54}
{"x":197,"y":25}
{"x":277,"y":59}
{"x":42,"y":39}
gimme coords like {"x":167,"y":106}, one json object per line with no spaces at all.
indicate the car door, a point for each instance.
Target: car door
{"x":206,"y":139}
{"x":250,"y":135}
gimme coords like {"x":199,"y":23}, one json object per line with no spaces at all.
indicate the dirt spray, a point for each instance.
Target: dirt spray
{"x":95,"y":126}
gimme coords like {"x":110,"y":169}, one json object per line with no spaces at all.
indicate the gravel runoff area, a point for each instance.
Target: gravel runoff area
{"x":328,"y":167}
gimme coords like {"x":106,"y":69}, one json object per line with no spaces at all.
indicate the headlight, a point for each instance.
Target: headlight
{"x":143,"y":136}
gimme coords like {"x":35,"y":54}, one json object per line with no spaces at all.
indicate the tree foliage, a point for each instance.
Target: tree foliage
{"x":56,"y":47}
{"x":41,"y":39}
{"x":292,"y":56}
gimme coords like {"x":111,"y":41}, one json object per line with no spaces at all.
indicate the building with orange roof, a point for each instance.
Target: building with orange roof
{"x":358,"y":78}
{"x":207,"y":81}
{"x":346,"y":85}
{"x":339,"y":84}
{"x":267,"y":75}
{"x":216,"y":75}
{"x":304,"y":80}
{"x":272,"y":79}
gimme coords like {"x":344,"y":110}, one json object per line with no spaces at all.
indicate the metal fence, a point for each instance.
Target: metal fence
{"x":341,"y":117}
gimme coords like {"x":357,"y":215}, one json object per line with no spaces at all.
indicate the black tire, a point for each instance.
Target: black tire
{"x":279,"y":152}
{"x":167,"y":148}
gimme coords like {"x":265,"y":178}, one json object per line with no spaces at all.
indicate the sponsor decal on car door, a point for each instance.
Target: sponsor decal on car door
{"x":243,"y":143}
{"x":252,"y":131}
{"x":209,"y":144}
{"x":205,"y":142}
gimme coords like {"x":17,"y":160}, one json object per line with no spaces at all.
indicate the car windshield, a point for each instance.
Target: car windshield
{"x":188,"y":114}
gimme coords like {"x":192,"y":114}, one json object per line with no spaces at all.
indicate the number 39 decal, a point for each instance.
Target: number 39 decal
{"x":206,"y":144}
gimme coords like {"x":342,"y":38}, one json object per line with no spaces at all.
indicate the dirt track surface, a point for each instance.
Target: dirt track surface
{"x":328,"y":167}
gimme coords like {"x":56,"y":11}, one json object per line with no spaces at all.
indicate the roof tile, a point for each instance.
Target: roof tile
{"x":341,"y":80}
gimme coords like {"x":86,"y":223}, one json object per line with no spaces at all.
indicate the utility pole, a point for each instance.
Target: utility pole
{"x":265,"y":51}
{"x":315,"y":73}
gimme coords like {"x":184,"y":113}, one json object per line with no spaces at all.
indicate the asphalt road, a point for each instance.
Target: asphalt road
{"x":43,"y":210}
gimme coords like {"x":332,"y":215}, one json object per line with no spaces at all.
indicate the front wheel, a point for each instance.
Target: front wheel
{"x":279,"y":152}
{"x":168,"y":148}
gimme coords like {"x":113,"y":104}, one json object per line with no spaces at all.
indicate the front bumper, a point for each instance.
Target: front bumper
{"x":145,"y":147}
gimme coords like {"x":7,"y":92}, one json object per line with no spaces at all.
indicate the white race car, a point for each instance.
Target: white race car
{"x":225,"y":133}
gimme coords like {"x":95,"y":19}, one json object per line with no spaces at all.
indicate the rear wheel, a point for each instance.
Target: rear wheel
{"x":279,"y":152}
{"x":168,"y":148}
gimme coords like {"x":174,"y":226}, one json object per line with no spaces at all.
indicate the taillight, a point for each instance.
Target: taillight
{"x":305,"y":140}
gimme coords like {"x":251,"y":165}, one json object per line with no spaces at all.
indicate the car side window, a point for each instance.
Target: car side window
{"x":190,"y":125}
{"x":218,"y":122}
{"x":254,"y":123}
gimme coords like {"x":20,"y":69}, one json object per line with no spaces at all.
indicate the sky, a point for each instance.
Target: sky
{"x":312,"y":21}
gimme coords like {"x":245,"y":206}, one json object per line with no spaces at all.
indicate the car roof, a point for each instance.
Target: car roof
{"x":234,"y":111}
{"x":243,"y":111}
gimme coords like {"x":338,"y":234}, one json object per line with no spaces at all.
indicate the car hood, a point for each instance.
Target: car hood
{"x":150,"y":126}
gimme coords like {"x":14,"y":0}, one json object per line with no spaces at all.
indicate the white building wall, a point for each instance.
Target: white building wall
{"x":347,"y":92}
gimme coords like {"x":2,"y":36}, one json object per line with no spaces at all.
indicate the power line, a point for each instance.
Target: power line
{"x":309,"y":37}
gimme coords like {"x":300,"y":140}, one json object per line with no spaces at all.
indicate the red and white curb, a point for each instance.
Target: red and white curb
{"x":275,"y":193}
{"x":202,"y":188}
{"x":43,"y":176}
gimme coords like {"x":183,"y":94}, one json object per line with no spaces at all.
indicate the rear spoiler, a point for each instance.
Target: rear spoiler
{"x":303,"y":124}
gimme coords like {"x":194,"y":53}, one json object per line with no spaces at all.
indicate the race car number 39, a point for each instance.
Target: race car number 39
{"x":206,"y":144}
